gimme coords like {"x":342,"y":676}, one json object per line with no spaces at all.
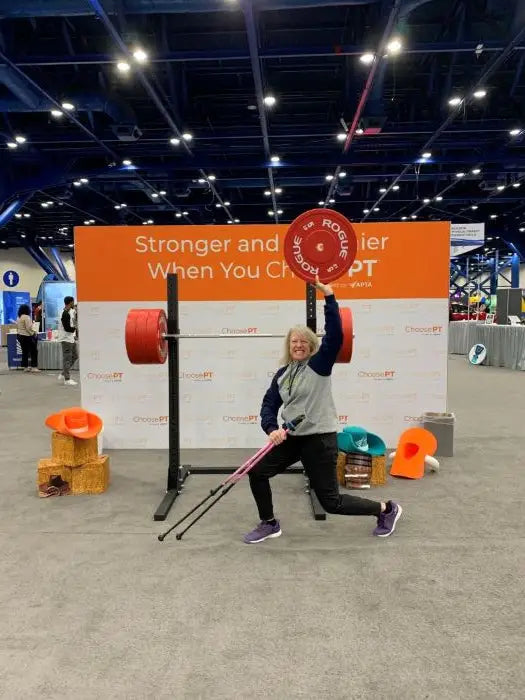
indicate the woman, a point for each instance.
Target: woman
{"x":26,"y":338}
{"x":303,"y":386}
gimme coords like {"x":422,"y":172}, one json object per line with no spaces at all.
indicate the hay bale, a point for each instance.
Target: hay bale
{"x":72,"y":451}
{"x":48,"y":468}
{"x":91,"y":477}
{"x":378,"y":476}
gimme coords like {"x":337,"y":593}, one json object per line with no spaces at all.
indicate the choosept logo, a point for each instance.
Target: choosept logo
{"x":206,"y":376}
{"x":424,"y":330}
{"x":387,"y":374}
{"x":151,"y":420}
{"x":245,"y":420}
{"x":105,"y":376}
{"x":239,"y":331}
{"x":342,"y":420}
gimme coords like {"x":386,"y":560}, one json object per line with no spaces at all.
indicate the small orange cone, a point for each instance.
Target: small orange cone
{"x":414,"y":445}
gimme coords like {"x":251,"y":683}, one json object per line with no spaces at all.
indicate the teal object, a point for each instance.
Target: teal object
{"x":357,"y":439}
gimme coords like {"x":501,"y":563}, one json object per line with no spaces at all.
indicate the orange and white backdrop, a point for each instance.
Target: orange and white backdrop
{"x":233,"y":279}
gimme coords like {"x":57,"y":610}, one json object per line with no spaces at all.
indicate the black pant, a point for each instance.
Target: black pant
{"x":29,"y":347}
{"x":318,"y":454}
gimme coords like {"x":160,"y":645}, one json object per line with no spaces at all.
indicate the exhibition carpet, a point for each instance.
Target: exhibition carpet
{"x":93,"y":606}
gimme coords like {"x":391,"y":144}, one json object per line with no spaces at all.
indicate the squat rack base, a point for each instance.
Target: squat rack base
{"x":185,"y":470}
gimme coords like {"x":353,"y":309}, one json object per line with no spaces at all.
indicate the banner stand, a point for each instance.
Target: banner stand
{"x":177,"y":472}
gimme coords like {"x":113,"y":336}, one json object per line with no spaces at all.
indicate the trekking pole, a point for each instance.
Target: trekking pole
{"x":229,"y":482}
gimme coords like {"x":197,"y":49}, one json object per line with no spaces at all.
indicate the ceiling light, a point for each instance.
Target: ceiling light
{"x":275,"y":159}
{"x":267,"y":193}
{"x":493,"y":216}
{"x":394,"y":46}
{"x":439,"y":199}
{"x":22,"y":235}
{"x":278,"y":190}
{"x":12,"y":144}
{"x":342,"y":174}
{"x":479,"y":94}
{"x":140,"y":55}
{"x":123,"y":67}
{"x":376,"y":208}
{"x":187,"y":136}
{"x":413,"y":216}
{"x":57,"y":113}
{"x":382,"y":189}
{"x":359,"y":131}
{"x":184,"y":213}
{"x":476,"y":171}
{"x":460,"y":174}
{"x":2,"y":242}
{"x":20,"y":139}
{"x":84,"y":180}
{"x":154,"y":195}
{"x":227,"y":204}
{"x":162,"y":192}
{"x":117,"y":206}
{"x":86,"y":223}
{"x":367,"y":58}
{"x":77,"y":183}
{"x":144,"y":223}
{"x":321,"y":202}
{"x":178,"y":215}
{"x":269,"y":100}
{"x":27,"y":216}
{"x":515,"y":132}
{"x":395,"y":187}
{"x":455,"y":101}
{"x":500,"y":188}
{"x":218,"y":206}
{"x":71,"y":245}
{"x":69,"y":106}
{"x":123,"y":205}
{"x":127,"y":162}
{"x":150,"y":221}
{"x":237,"y":221}
{"x":426,"y":201}
{"x":329,"y":177}
{"x":201,"y":181}
{"x":174,"y":141}
{"x":341,"y":136}
{"x":426,"y":154}
{"x":516,"y":184}
{"x":279,"y":211}
{"x":474,"y":206}
{"x":270,"y":212}
{"x":404,"y":218}
{"x":331,"y":201}
{"x":522,"y":230}
{"x":92,"y":221}
{"x":18,"y":216}
{"x":230,"y":221}
{"x":211,"y":178}
{"x":44,"y":204}
{"x":366,"y":211}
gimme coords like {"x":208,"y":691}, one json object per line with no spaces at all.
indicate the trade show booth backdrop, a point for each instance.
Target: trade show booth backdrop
{"x":233,"y":279}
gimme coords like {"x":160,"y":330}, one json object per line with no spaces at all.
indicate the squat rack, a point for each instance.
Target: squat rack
{"x":177,"y":472}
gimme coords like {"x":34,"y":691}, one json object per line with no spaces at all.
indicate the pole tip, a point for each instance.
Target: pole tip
{"x":160,"y":538}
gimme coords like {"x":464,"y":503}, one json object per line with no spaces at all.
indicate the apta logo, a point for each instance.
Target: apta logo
{"x":239,"y":331}
{"x":387,"y":374}
{"x":151,"y":420}
{"x":424,"y":330}
{"x":111,"y":377}
{"x":413,"y":419}
{"x":244,"y":420}
{"x":206,"y":376}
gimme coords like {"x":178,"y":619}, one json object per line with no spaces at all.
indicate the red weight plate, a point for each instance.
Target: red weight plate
{"x":320,"y":241}
{"x":345,"y":353}
{"x":145,"y":342}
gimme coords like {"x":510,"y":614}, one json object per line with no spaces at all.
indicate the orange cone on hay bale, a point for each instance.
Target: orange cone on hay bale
{"x":75,"y":465}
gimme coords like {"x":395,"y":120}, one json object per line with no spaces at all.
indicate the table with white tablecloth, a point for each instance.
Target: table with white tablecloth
{"x":505,"y":344}
{"x":50,"y":355}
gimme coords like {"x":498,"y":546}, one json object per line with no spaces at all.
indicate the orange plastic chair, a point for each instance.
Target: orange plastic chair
{"x":415,"y":449}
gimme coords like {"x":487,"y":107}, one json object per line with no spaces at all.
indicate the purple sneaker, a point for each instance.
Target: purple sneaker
{"x":262,"y":532}
{"x":386,"y":522}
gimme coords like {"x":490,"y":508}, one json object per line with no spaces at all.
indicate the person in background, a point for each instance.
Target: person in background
{"x":67,"y":339}
{"x":37,"y":315}
{"x":26,"y":336}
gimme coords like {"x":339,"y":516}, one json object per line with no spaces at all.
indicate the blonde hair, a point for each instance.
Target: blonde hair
{"x":304,"y":332}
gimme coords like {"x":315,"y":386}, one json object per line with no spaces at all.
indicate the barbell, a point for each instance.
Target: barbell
{"x":319,"y":242}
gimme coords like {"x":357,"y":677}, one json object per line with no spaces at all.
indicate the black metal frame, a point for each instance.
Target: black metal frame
{"x":177,"y":472}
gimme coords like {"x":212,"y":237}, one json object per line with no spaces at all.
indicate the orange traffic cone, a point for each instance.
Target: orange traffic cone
{"x":415,"y":449}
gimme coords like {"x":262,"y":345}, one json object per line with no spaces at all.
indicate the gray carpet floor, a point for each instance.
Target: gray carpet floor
{"x":93,"y":606}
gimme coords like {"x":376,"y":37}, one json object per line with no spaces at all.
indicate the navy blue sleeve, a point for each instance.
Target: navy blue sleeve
{"x":324,"y":359}
{"x":271,"y":404}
